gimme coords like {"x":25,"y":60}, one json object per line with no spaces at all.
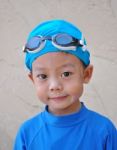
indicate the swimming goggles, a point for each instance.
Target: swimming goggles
{"x":62,"y":41}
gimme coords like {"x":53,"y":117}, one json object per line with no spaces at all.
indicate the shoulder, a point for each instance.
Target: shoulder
{"x":29,"y":129}
{"x":99,"y":118}
{"x":33,"y":123}
{"x":101,"y":122}
{"x":102,"y":129}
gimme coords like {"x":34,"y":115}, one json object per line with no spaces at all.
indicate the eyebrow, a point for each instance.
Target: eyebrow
{"x":62,"y":66}
{"x":68,"y":65}
{"x":39,"y":68}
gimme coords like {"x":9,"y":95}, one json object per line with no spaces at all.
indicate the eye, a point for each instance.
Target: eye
{"x":66,"y":74}
{"x":42,"y":76}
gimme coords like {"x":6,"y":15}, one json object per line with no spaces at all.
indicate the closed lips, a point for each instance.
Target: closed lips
{"x":58,"y":97}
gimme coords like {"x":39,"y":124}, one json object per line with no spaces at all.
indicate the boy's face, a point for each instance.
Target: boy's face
{"x":58,"y":78}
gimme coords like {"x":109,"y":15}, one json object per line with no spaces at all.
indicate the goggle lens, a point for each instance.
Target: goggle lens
{"x":33,"y":43}
{"x":63,"y":39}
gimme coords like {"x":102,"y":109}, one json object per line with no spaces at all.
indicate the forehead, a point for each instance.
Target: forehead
{"x":56,"y":60}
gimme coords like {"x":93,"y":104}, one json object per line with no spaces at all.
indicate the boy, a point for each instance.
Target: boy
{"x":59,"y":64}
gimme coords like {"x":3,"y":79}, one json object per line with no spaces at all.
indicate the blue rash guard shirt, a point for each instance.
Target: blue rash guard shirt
{"x":83,"y":130}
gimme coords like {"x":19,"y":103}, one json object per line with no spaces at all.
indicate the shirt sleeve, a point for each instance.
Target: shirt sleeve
{"x":19,"y":143}
{"x":111,"y":139}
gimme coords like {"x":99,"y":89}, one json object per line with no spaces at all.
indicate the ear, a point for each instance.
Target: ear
{"x":88,"y":73}
{"x":31,"y":77}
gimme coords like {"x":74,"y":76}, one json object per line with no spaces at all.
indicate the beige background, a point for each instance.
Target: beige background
{"x":98,"y":21}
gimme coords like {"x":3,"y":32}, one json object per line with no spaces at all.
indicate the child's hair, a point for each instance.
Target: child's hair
{"x":36,"y":46}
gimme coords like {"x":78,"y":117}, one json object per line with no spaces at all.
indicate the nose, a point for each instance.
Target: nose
{"x":55,"y":85}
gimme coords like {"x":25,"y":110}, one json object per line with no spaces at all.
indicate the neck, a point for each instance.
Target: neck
{"x":75,"y":107}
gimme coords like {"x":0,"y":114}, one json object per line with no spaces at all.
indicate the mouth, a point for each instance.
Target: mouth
{"x":58,"y":98}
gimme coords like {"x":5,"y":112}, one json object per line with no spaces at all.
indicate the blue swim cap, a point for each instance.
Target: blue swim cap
{"x":53,"y":27}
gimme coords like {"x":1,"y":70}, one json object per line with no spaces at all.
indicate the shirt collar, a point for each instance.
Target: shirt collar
{"x":65,"y":120}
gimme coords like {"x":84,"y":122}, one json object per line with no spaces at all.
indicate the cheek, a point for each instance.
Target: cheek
{"x":75,"y":90}
{"x":76,"y":86}
{"x":41,"y":91}
{"x":75,"y":98}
